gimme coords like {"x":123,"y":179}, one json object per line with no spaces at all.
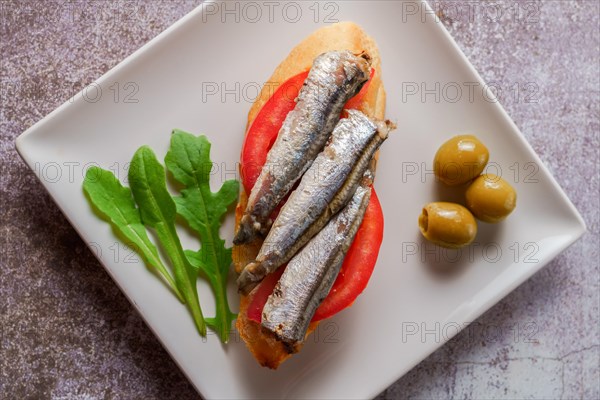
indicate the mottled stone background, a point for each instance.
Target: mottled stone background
{"x":68,"y":332}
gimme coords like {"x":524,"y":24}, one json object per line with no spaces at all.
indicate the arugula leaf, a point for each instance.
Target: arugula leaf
{"x":115,"y":205}
{"x":189,"y":162}
{"x":158,"y":211}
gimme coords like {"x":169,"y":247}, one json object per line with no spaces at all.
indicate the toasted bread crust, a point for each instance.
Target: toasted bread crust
{"x":340,"y":36}
{"x":267,"y":350}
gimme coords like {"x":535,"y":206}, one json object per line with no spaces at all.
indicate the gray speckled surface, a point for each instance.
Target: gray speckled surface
{"x":66,"y":331}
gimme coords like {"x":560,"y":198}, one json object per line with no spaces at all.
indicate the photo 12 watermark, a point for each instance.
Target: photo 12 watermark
{"x":75,"y":171}
{"x":491,"y":252}
{"x":474,"y":332}
{"x":468,"y":91}
{"x":116,"y":252}
{"x":55,"y":172}
{"x":254,"y":12}
{"x":115,"y":92}
{"x":523,"y":12}
{"x":424,"y":172}
{"x":44,"y":12}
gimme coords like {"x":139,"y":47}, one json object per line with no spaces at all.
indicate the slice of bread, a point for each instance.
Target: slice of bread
{"x":267,"y":350}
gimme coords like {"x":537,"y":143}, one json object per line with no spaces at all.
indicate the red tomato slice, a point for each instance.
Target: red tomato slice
{"x":262,"y":293}
{"x":356,"y":101}
{"x":265,"y":128}
{"x":361,"y":257}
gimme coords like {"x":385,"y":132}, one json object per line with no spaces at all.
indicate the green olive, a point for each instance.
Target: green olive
{"x":490,"y":198}
{"x":460,"y":159}
{"x":447,"y":224}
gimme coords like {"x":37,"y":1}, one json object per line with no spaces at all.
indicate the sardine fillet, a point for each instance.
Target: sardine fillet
{"x":310,"y":274}
{"x":334,"y":78}
{"x":324,"y":189}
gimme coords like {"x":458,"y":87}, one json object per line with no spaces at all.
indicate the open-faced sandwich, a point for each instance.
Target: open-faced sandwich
{"x":308,"y":222}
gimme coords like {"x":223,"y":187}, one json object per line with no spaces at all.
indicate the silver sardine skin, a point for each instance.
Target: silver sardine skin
{"x":335,"y":77}
{"x":324,"y":189}
{"x":310,"y":274}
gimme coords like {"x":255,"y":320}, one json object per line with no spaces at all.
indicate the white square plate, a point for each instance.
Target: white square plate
{"x":170,"y":83}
